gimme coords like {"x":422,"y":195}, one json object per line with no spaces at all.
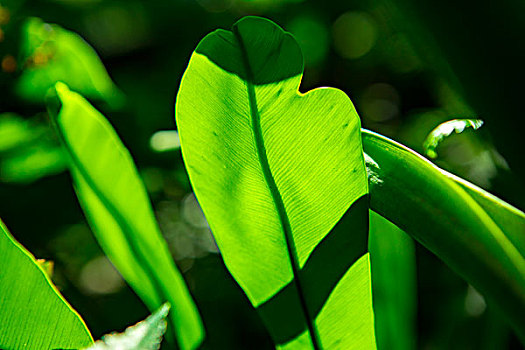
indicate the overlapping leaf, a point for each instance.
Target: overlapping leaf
{"x":393,"y":262}
{"x":33,"y":314}
{"x":274,"y":171}
{"x":118,"y":208}
{"x":478,"y":235}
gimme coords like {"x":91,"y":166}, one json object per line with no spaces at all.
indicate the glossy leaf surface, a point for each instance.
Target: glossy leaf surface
{"x":118,"y":208}
{"x":145,"y":335}
{"x":443,"y":214}
{"x":393,"y":261}
{"x":274,"y":171}
{"x":33,"y":314}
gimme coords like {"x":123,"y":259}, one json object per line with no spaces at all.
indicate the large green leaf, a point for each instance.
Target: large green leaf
{"x":118,"y":208}
{"x":52,"y":54}
{"x":394,"y":289}
{"x":470,"y":230}
{"x":274,"y":171}
{"x":33,"y":314}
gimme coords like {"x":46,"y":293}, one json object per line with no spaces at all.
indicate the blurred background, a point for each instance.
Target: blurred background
{"x":407,"y":67}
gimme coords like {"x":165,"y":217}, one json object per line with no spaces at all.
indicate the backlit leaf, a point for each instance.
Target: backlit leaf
{"x":119,"y":211}
{"x":33,"y":314}
{"x":16,"y":131}
{"x":274,"y":171}
{"x":471,"y":231}
{"x":27,"y":150}
{"x":444,"y":130}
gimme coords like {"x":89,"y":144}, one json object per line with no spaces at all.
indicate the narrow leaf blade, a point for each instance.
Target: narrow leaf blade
{"x":419,"y":198}
{"x":118,"y":208}
{"x":393,"y":262}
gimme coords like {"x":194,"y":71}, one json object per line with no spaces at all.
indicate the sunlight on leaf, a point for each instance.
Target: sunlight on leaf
{"x":444,"y":130}
{"x":32,"y":163}
{"x":274,"y":171}
{"x":33,"y":314}
{"x":118,"y":208}
{"x":16,"y":131}
{"x":483,"y":243}
{"x":27,"y":152}
{"x":145,"y":335}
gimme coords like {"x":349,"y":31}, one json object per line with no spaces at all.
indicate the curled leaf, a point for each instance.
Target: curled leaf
{"x":444,"y":130}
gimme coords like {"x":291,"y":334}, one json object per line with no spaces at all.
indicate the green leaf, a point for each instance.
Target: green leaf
{"x":509,"y":219}
{"x":51,"y":53}
{"x":443,"y":214}
{"x":29,"y":164}
{"x":444,"y":130}
{"x":274,"y":171}
{"x":393,"y":262}
{"x":33,"y":314}
{"x":27,"y":152}
{"x":145,"y":335}
{"x":119,"y":211}
{"x":15,"y":132}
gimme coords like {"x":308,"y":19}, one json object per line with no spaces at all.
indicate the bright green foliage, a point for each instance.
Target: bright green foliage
{"x":145,"y":335}
{"x":118,"y":208}
{"x":393,"y":262}
{"x":274,"y":171}
{"x":509,"y":219}
{"x":32,"y":163}
{"x":16,"y":132}
{"x":434,"y":208}
{"x":51,"y":53}
{"x":27,"y":152}
{"x":444,"y":130}
{"x":33,"y":314}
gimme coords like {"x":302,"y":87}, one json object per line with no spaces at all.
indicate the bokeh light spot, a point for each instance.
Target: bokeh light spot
{"x":99,"y":276}
{"x":354,"y":34}
{"x":165,"y":140}
{"x":474,"y":303}
{"x":379,"y":103}
{"x":9,"y":64}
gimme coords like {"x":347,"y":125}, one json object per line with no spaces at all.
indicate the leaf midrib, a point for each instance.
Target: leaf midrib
{"x":274,"y":191}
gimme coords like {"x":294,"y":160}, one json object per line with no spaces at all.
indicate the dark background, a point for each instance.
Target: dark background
{"x":407,"y":66}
